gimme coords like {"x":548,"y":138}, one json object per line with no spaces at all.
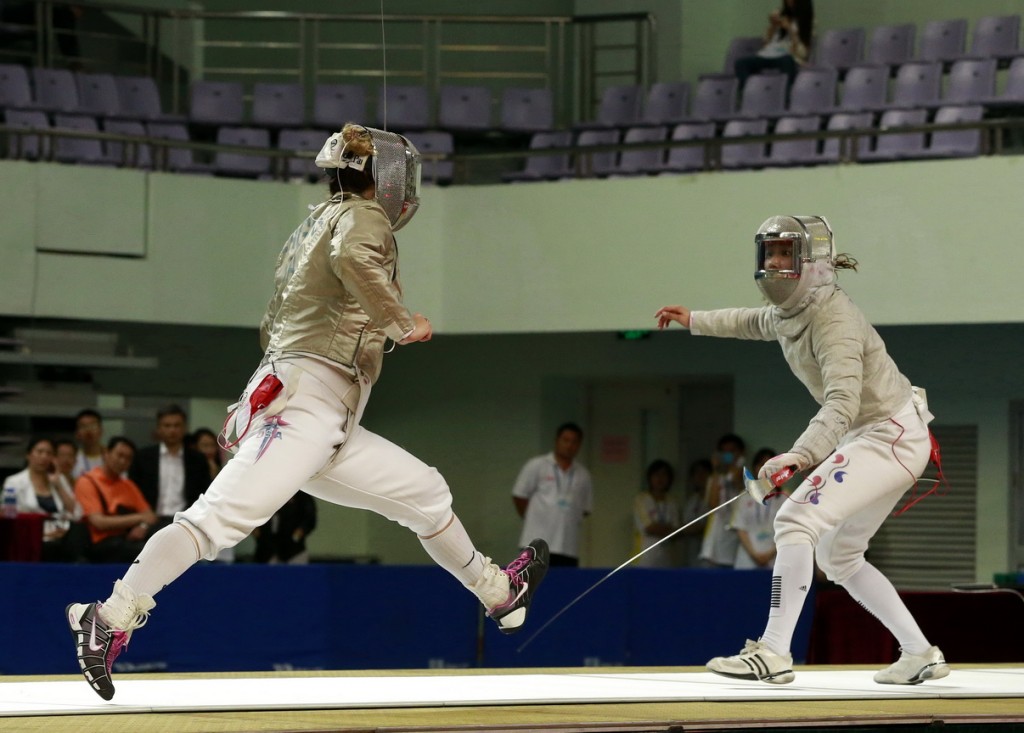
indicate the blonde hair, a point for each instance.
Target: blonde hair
{"x":357,"y":139}
{"x":844,"y":261}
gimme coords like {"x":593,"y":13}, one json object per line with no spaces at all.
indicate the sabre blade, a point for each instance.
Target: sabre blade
{"x":637,"y":556}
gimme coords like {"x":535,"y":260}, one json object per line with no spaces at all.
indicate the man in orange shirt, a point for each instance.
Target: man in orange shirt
{"x":117,"y":514}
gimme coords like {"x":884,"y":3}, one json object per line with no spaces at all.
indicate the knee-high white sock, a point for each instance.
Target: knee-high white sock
{"x":167,"y":554}
{"x":452,"y":549}
{"x":791,"y":579}
{"x":871,"y":589}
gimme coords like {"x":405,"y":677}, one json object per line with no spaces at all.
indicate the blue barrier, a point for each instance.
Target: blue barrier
{"x":267,"y":617}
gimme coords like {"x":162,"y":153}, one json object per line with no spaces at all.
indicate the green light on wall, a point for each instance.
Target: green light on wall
{"x":634,"y":335}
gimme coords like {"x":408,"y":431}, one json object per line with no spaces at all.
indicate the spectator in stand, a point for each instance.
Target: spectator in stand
{"x":718,"y":549}
{"x":787,"y":42}
{"x":89,"y":437}
{"x":64,"y":454}
{"x":754,"y":523}
{"x":39,"y":492}
{"x":656,"y":515}
{"x":170,"y":475}
{"x":694,"y":505}
{"x":116,"y":512}
{"x":204,"y":440}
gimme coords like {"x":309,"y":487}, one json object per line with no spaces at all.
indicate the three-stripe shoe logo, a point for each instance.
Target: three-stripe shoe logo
{"x":757,"y":666}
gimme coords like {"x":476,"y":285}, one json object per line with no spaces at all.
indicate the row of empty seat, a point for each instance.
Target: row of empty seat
{"x":135,"y":152}
{"x":739,"y":154}
{"x":275,"y":105}
{"x":815,"y":90}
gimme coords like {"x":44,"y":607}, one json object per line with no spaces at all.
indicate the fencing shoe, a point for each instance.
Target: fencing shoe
{"x":911,"y":669}
{"x":525,"y":574}
{"x":755,"y":662}
{"x":99,"y":642}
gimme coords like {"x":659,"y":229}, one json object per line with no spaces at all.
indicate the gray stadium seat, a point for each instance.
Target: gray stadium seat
{"x":864,"y":88}
{"x":747,"y":154}
{"x":55,"y":90}
{"x":123,"y":153}
{"x":242,"y":164}
{"x":839,"y":48}
{"x":78,"y":150}
{"x":636,"y":162}
{"x":599,"y":163}
{"x":764,"y":95}
{"x":25,"y":146}
{"x":527,"y":110}
{"x":464,"y":108}
{"x":832,"y":149}
{"x":970,"y":81}
{"x":304,"y":140}
{"x":15,"y":89}
{"x":795,"y":152}
{"x":97,"y":95}
{"x":545,"y":167}
{"x":179,"y":160}
{"x":917,"y":84}
{"x":714,"y":98}
{"x":898,"y":146}
{"x":216,"y":103}
{"x":685,"y":159}
{"x":956,"y":143}
{"x":738,"y":48}
{"x":665,"y":103}
{"x":619,"y":107}
{"x":942,"y":40}
{"x":403,"y":107}
{"x":278,"y":105}
{"x":435,"y":142}
{"x":813,"y":92}
{"x":996,"y":36}
{"x":891,"y":45}
{"x":336,"y":104}
{"x":140,"y":100}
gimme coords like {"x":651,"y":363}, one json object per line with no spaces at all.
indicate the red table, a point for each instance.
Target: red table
{"x":968,"y":627}
{"x":21,"y":539}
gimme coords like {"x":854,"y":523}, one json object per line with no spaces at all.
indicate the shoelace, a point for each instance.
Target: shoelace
{"x":517,"y":566}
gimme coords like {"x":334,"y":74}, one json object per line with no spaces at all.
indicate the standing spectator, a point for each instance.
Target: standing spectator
{"x":695,"y":504}
{"x":283,"y":538}
{"x":656,"y":515}
{"x":118,"y":515}
{"x":170,"y":476}
{"x":89,"y":437}
{"x":787,"y":42}
{"x":40,"y":492}
{"x":718,"y":549}
{"x":754,"y":523}
{"x":553,"y":494}
{"x":204,"y":440}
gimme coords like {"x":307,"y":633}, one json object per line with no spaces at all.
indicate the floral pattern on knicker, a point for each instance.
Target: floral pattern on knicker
{"x":816,"y":483}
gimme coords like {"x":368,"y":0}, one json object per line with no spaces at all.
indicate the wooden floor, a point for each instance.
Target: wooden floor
{"x":777,"y":715}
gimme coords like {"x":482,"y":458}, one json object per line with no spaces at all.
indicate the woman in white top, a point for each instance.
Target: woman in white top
{"x":42,"y":491}
{"x":656,"y":515}
{"x":787,"y":42}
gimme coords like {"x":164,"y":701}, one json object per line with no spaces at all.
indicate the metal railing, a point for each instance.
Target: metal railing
{"x":994,"y":135}
{"x":560,"y":53}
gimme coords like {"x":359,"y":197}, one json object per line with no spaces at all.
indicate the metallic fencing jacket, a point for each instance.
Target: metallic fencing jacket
{"x":337,"y":294}
{"x":834,"y":351}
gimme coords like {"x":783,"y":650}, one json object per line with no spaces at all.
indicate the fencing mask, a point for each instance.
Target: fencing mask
{"x":396,"y":171}
{"x":809,"y":238}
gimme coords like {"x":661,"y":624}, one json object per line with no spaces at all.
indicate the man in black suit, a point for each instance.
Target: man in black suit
{"x":170,"y":475}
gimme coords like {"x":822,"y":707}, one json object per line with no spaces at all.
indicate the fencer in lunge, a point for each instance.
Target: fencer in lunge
{"x":337,"y":300}
{"x":867,"y":444}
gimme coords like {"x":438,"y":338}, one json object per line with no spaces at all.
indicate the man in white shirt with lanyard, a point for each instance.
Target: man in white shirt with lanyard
{"x":553,"y":494}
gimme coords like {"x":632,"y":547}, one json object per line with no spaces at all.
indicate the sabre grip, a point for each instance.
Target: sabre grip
{"x":781,"y":476}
